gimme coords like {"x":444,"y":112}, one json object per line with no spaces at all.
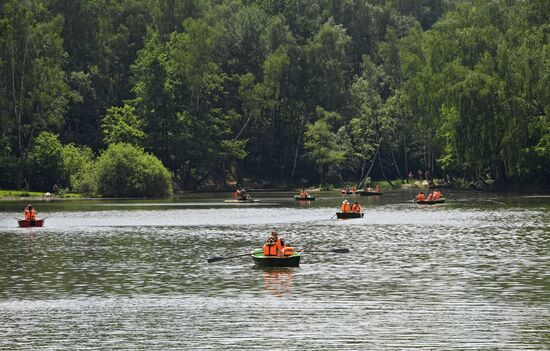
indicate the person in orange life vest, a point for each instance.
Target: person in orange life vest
{"x":377,"y":188}
{"x":30,"y":213}
{"x":420,"y":197}
{"x":436,"y":195}
{"x":353,"y":188}
{"x":430,"y":197}
{"x":287,"y":249}
{"x":304,"y":194}
{"x":345,"y":206}
{"x":273,"y":246}
{"x":356,"y":208}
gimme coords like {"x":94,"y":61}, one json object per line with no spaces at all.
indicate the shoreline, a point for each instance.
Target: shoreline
{"x":316,"y":190}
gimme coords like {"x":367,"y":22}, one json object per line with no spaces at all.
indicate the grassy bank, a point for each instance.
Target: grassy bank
{"x":17,"y":194}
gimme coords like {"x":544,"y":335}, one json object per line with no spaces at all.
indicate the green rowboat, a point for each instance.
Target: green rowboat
{"x":431,"y":202}
{"x":369,"y":193}
{"x":273,"y":261}
{"x":347,"y":215}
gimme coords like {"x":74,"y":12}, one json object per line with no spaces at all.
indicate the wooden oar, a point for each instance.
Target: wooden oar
{"x":333,"y":250}
{"x":216,"y":259}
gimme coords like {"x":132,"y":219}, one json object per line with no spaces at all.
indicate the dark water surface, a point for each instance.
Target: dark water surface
{"x":471,"y":274}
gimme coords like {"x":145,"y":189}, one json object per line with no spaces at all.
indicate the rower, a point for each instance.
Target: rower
{"x":420,"y":197}
{"x":356,"y":208}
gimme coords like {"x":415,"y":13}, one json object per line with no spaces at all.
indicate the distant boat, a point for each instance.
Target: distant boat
{"x":25,"y":223}
{"x":307,"y":198}
{"x":273,"y":261}
{"x":349,"y":215}
{"x":347,"y":192}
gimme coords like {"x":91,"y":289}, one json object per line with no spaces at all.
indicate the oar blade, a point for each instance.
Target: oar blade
{"x":340,"y":250}
{"x":215,"y":259}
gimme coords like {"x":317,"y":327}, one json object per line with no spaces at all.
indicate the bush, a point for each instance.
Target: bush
{"x":76,"y":161}
{"x":126,"y":170}
{"x":85,"y":182}
{"x":46,"y":162}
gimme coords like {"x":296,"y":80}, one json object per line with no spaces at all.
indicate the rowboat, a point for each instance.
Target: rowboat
{"x":307,"y":198}
{"x":431,"y":202}
{"x":347,"y":215}
{"x":369,"y":193}
{"x":24,"y":223}
{"x":273,"y":261}
{"x":240,"y":201}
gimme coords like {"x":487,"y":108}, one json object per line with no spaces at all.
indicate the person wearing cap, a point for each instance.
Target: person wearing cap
{"x":273,"y":246}
{"x":30,"y":213}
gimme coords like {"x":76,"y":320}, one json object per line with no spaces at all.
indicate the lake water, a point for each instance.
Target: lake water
{"x":471,"y":274}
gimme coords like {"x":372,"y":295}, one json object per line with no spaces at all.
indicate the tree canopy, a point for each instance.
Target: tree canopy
{"x":266,"y":90}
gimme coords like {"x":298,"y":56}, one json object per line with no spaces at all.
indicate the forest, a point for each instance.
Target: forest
{"x":147,"y":97}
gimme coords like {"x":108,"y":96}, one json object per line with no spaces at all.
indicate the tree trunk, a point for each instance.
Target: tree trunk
{"x":382,"y":170}
{"x":395,"y":163}
{"x":296,"y":153}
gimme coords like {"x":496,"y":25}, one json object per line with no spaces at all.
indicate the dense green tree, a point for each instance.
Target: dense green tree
{"x":235,"y":89}
{"x":125,"y":170}
{"x":122,"y":125}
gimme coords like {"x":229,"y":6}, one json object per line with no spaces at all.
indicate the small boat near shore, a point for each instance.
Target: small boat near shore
{"x":239,"y":201}
{"x":430,"y":202}
{"x":273,"y":261}
{"x":369,"y":193}
{"x":25,"y":223}
{"x":307,"y":198}
{"x":349,"y":215}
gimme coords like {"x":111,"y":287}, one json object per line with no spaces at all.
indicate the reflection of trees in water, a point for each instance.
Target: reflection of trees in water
{"x":278,"y":282}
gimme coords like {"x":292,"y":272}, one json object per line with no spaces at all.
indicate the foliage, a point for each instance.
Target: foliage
{"x":125,"y":170}
{"x":122,"y":125}
{"x":46,"y":162}
{"x":267,"y":90}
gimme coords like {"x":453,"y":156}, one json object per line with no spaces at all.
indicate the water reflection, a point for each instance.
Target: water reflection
{"x":278,"y":281}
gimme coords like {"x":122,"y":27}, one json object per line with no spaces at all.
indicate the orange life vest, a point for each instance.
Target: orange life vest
{"x":347,"y":208}
{"x":420,"y":197}
{"x":288,"y":251}
{"x":30,"y":215}
{"x":356,"y":208}
{"x":273,"y":249}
